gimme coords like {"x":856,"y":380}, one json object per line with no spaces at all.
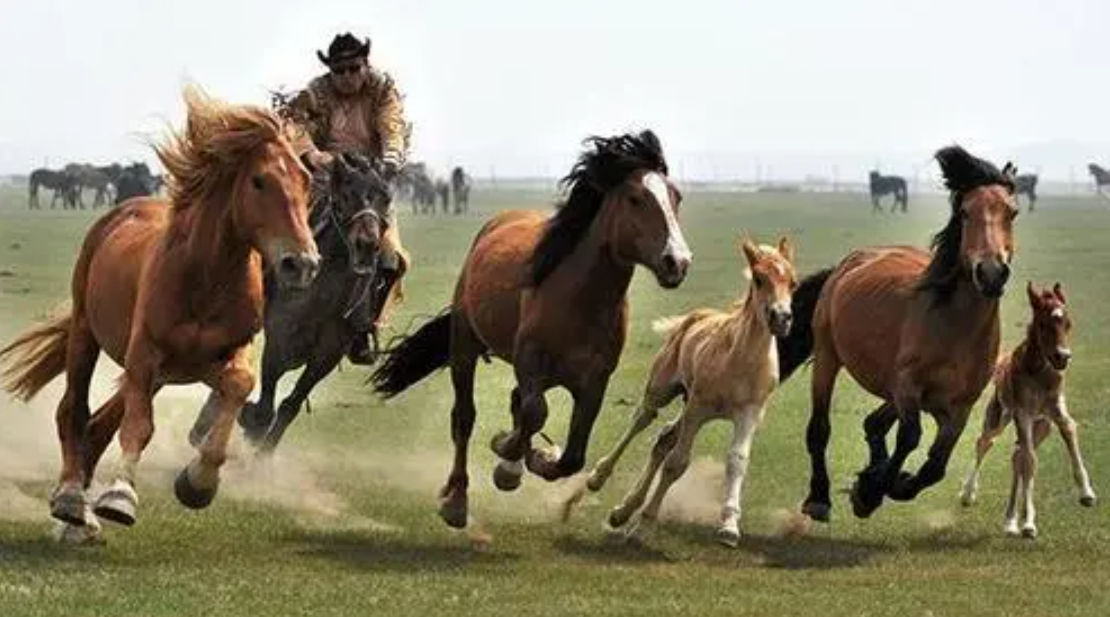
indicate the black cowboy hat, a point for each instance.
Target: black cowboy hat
{"x":344,"y":47}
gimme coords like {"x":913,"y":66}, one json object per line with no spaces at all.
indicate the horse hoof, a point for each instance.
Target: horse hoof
{"x":618,"y":518}
{"x":1010,"y":528}
{"x":507,"y":475}
{"x":728,"y":537}
{"x":596,"y":481}
{"x":544,"y":462}
{"x":820,"y":512}
{"x":498,"y":443}
{"x":967,"y":500}
{"x":1029,"y":532}
{"x":118,"y":504}
{"x":1088,"y":501}
{"x":68,"y":505}
{"x":863,"y":505}
{"x":453,"y":511}
{"x":191,"y":496}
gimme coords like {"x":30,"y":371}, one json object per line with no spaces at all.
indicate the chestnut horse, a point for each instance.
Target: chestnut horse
{"x":549,"y":296}
{"x":918,"y":330}
{"x":173,"y":293}
{"x":1029,"y":390}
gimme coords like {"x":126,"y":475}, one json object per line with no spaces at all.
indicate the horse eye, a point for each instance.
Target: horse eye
{"x":758,"y":282}
{"x":257,"y":183}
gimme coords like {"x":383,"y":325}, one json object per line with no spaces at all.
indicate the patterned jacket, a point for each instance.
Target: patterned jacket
{"x":373,"y":123}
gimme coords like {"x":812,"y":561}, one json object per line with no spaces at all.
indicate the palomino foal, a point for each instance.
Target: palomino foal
{"x":1029,"y":389}
{"x":725,"y":364}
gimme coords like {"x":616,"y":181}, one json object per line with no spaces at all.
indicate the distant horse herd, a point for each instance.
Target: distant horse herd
{"x":418,"y":185}
{"x":113,"y":184}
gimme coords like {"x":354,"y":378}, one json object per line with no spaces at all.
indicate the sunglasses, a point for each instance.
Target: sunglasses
{"x":350,"y":69}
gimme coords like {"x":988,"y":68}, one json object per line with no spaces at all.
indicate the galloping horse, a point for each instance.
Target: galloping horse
{"x":550,"y":296}
{"x":313,"y":328}
{"x":173,"y":293}
{"x":725,"y":366}
{"x":919,"y":331}
{"x":880,"y":185}
{"x":1029,"y":390}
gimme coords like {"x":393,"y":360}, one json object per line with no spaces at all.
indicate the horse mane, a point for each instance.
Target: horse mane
{"x":962,"y":173}
{"x":206,"y":156}
{"x":602,"y":166}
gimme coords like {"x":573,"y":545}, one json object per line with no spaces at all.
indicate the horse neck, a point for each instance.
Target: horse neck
{"x":974,"y":313}
{"x":1029,"y":356}
{"x":748,"y":331}
{"x":216,"y":256}
{"x":597,"y":279}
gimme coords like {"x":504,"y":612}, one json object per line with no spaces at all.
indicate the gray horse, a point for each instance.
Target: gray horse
{"x":314,"y":328}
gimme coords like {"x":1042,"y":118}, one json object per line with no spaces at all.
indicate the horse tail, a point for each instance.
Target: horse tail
{"x":35,"y":358}
{"x":797,"y":347}
{"x":415,"y":357}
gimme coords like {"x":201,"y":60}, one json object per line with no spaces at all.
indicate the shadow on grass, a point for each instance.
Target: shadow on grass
{"x":609,"y":550}
{"x":394,"y":553}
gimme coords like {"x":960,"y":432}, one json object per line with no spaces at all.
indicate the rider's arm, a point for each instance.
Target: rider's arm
{"x":393,"y":126}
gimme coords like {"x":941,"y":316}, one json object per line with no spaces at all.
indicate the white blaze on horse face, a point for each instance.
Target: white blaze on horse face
{"x":676,"y":243}
{"x":1058,"y":313}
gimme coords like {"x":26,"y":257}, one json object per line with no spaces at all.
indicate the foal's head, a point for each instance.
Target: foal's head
{"x":359,"y":200}
{"x":979,"y":239}
{"x":1051,"y":326}
{"x":773,"y":282}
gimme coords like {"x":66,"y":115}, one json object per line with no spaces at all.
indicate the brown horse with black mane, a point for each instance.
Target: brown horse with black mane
{"x":549,"y":296}
{"x":918,"y":330}
{"x":173,"y":293}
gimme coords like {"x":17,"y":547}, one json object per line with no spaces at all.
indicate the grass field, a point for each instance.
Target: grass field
{"x":344,"y":521}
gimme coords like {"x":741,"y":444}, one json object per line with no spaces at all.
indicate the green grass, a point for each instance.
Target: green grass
{"x":345,"y":522}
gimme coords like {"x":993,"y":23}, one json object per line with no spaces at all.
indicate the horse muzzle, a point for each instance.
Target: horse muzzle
{"x":297,"y":270}
{"x":1060,"y":358}
{"x":779,"y":321}
{"x":990,"y":277}
{"x":671,"y":270}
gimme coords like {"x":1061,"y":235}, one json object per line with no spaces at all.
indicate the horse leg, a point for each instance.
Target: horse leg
{"x":547,"y":463}
{"x":529,"y":416}
{"x":674,"y":466}
{"x":68,"y":502}
{"x":994,"y":422}
{"x":1068,"y":431}
{"x":204,"y":421}
{"x":635,"y":498}
{"x":826,"y":365}
{"x":950,"y":427}
{"x":876,"y":427}
{"x":101,"y":428}
{"x":120,"y":502}
{"x":1025,"y":459}
{"x":196,"y":484}
{"x":319,"y":367}
{"x":872,"y":484}
{"x":257,"y":418}
{"x":654,"y":399}
{"x":453,"y":504}
{"x":744,"y":426}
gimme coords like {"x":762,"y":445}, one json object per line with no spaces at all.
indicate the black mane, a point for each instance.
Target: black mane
{"x":604,"y":165}
{"x":962,"y":174}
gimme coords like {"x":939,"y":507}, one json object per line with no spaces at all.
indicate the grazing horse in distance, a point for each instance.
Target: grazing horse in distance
{"x":920,"y":331}
{"x":312,"y":328}
{"x":1100,"y":175}
{"x":549,"y":295}
{"x":61,"y":183}
{"x":1029,"y":390}
{"x":725,"y":366}
{"x":135,"y":180}
{"x":460,"y":189}
{"x":173,"y":293}
{"x":1026,"y":184}
{"x":880,"y":185}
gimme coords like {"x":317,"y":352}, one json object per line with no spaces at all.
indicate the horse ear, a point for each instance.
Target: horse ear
{"x":786,"y":249}
{"x":1034,"y":297}
{"x":750,"y":250}
{"x":1058,"y":290}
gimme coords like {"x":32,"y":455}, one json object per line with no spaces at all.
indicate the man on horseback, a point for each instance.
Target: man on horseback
{"x":355,"y":108}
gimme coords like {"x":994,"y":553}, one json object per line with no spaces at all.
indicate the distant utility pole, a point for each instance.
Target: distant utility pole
{"x":836,"y":178}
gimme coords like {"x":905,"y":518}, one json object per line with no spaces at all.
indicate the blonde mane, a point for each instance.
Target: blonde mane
{"x":217,"y":139}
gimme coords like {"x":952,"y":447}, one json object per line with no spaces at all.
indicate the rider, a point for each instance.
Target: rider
{"x":355,"y":108}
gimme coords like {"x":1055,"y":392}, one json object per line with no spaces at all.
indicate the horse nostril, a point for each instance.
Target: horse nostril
{"x":1003,"y":272}
{"x":288,"y":265}
{"x":670,"y":263}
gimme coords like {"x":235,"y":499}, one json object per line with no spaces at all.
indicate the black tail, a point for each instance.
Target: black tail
{"x":418,"y":355}
{"x":796,"y":348}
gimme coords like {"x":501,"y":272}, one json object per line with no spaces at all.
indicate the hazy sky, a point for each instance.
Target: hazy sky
{"x":793,"y":86}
